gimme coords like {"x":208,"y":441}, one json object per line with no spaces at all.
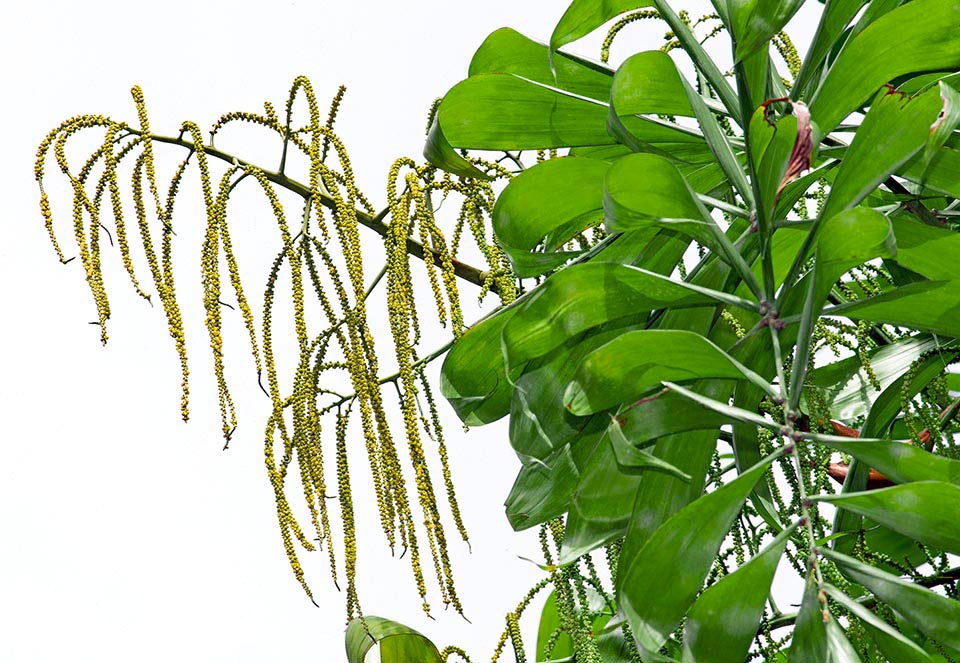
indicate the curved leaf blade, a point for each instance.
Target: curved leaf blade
{"x":900,"y":462}
{"x":924,"y":510}
{"x":943,"y":127}
{"x":891,"y":642}
{"x":551,"y":621}
{"x":542,"y":490}
{"x":539,"y":424}
{"x":923,"y":35}
{"x":935,"y":615}
{"x":679,"y":552}
{"x":584,"y":296}
{"x":473,"y":377}
{"x":438,"y":151}
{"x":646,"y":190}
{"x":894,"y":129}
{"x":625,"y":368}
{"x":631,"y":458}
{"x":666,"y":413}
{"x":838,"y":647}
{"x":548,"y":204}
{"x":850,"y":390}
{"x":755,"y":22}
{"x":649,"y":83}
{"x":927,"y":250}
{"x":932,"y":306}
{"x":722,"y":624}
{"x":849,"y":239}
{"x":640,"y":188}
{"x":398,"y":643}
{"x":885,"y":408}
{"x":506,"y":51}
{"x":584,"y":16}
{"x":600,"y":505}
{"x":809,"y":643}
{"x":836,"y":15}
{"x":508,"y":112}
{"x":724,"y":409}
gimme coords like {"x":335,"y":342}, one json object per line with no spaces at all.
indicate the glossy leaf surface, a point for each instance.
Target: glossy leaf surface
{"x":542,"y":489}
{"x":923,"y":510}
{"x":851,"y":392}
{"x":473,"y":378}
{"x":900,"y":462}
{"x":927,"y":250}
{"x":891,"y":642}
{"x":548,"y":204}
{"x":585,"y":296}
{"x":584,"y":16}
{"x":894,"y":129}
{"x":600,"y":505}
{"x":756,"y":21}
{"x":648,"y":82}
{"x":438,"y":151}
{"x":935,"y":615}
{"x":657,"y":584}
{"x":539,"y":424}
{"x":507,"y":112}
{"x":809,"y":643}
{"x":625,"y":368}
{"x":644,"y":187}
{"x":932,"y":306}
{"x":723,"y":622}
{"x":921,"y":35}
{"x":629,"y":458}
{"x":839,"y":648}
{"x":506,"y":51}
{"x":849,"y":239}
{"x":398,"y":643}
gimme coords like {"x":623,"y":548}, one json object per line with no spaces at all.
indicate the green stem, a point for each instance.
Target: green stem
{"x":804,"y":340}
{"x":392,"y":378}
{"x":723,"y":206}
{"x":700,"y":58}
{"x":778,"y":359}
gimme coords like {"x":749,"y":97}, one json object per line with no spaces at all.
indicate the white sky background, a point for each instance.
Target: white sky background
{"x":126,"y":534}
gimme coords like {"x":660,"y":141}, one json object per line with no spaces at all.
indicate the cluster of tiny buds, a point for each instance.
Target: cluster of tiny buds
{"x":771,"y":316}
{"x":788,"y":431}
{"x":793,"y":434}
{"x":356,"y":341}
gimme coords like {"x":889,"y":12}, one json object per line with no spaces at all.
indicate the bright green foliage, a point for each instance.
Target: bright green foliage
{"x":397,"y":643}
{"x":935,"y":615}
{"x":655,"y":591}
{"x":791,"y":274}
{"x":723,"y":622}
{"x":810,"y":635}
{"x":725,"y":279}
{"x":536,"y":211}
{"x":923,"y":510}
